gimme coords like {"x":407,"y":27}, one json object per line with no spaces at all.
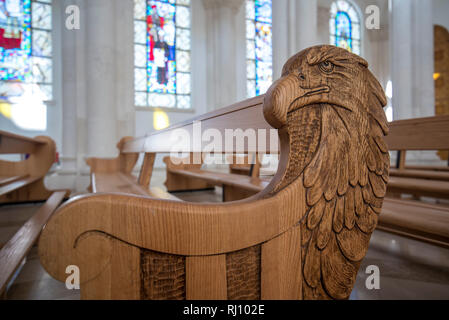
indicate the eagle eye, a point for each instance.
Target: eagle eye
{"x":326,"y":66}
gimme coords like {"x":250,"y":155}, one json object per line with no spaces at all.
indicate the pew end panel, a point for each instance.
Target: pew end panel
{"x":23,"y":181}
{"x":302,"y":237}
{"x":124,"y":162}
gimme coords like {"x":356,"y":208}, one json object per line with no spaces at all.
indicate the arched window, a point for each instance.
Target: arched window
{"x":25,"y":51}
{"x":344,"y":26}
{"x":162,"y":53}
{"x":259,"y":53}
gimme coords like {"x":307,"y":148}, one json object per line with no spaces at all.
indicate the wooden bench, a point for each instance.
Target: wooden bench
{"x":298,"y":239}
{"x":417,"y":181}
{"x":23,"y":181}
{"x":16,"y":249}
{"x":431,"y":133}
{"x":416,"y":220}
{"x":420,"y":221}
{"x":114,"y":175}
{"x":241,"y":182}
{"x":247,"y":165}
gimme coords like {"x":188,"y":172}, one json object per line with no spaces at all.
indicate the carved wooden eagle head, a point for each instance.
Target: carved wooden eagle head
{"x":326,"y":74}
{"x":331,"y":108}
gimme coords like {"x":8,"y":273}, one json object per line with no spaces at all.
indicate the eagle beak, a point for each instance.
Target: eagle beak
{"x":286,"y":95}
{"x":307,"y":92}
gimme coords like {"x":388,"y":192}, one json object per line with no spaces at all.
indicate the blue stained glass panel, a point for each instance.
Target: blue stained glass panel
{"x":21,"y":71}
{"x":263,"y":11}
{"x":344,"y":26}
{"x":343,"y":30}
{"x":259,"y":46}
{"x":15,"y":40}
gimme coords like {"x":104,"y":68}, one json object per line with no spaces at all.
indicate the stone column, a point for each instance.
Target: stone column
{"x":124,"y":76}
{"x":100,"y":78}
{"x":281,"y":40}
{"x":294,"y":29}
{"x":223,"y":23}
{"x":411,"y":43}
{"x":306,"y":23}
{"x":72,"y":96}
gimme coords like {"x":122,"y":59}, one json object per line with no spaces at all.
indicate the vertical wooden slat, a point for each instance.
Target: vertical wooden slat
{"x":255,"y":166}
{"x":401,"y":159}
{"x":147,"y":169}
{"x":125,"y":275}
{"x":206,"y":278}
{"x":281,"y":267}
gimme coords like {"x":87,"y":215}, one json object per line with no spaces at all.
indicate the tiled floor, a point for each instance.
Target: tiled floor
{"x":408,"y":269}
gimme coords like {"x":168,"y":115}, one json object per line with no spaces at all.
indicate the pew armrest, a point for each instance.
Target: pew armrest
{"x":89,"y":231}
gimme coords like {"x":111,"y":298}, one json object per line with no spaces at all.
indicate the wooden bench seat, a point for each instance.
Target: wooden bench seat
{"x":4,"y":180}
{"x":16,"y":183}
{"x":417,"y":220}
{"x":428,"y":168}
{"x":430,"y":133}
{"x":283,"y":243}
{"x":16,"y":249}
{"x":125,"y":183}
{"x":22,"y":181}
{"x":235,"y":186}
{"x":419,"y":187}
{"x":420,"y":174}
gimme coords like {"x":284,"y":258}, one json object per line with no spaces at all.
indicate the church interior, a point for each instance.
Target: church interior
{"x":342,"y":192}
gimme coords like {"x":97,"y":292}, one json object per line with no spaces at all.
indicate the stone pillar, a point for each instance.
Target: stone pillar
{"x":222,"y":23}
{"x":306,"y":23}
{"x":411,"y":43}
{"x":124,"y":76}
{"x":72,"y":96}
{"x":100,"y":78}
{"x":294,"y":29}
{"x":281,"y":40}
{"x":412,"y":61}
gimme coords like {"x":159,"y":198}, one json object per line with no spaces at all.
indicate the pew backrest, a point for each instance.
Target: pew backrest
{"x":430,"y":133}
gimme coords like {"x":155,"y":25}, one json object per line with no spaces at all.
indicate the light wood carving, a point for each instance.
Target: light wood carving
{"x":303,"y":237}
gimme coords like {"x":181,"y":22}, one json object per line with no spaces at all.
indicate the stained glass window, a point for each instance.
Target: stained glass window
{"x":344,"y":26}
{"x":162,"y":53}
{"x":25,"y":50}
{"x":259,"y":53}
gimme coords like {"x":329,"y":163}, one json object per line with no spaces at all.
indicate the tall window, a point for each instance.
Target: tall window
{"x":162,"y":53}
{"x":25,"y":51}
{"x":259,"y":53}
{"x":344,"y":26}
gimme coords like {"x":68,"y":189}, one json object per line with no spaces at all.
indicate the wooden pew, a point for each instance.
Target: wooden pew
{"x":114,"y":175}
{"x":248,"y":165}
{"x":431,"y":133}
{"x":23,"y":181}
{"x":16,"y":249}
{"x":280,"y":244}
{"x":414,"y":134}
{"x":242,"y":182}
{"x":176,"y":181}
